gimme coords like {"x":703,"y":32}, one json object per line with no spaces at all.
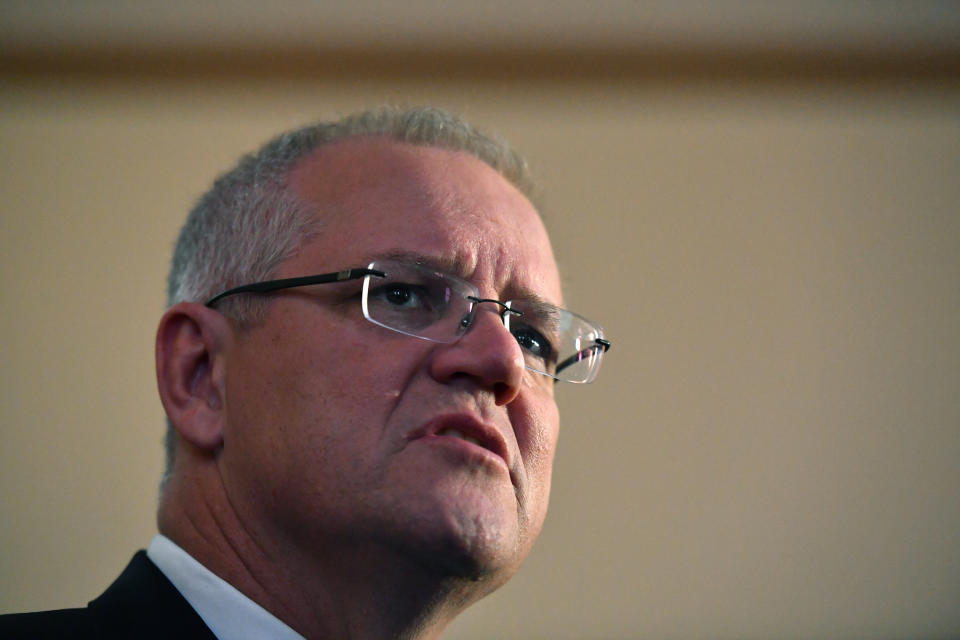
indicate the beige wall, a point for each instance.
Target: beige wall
{"x":772,"y":449}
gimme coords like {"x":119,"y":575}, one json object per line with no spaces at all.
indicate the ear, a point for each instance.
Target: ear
{"x":190,"y":372}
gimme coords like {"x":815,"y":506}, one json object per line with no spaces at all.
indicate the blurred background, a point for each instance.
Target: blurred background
{"x":758,"y":201}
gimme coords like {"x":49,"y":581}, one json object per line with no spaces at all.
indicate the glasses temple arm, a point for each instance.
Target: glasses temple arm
{"x":599,"y":343}
{"x":288,"y":283}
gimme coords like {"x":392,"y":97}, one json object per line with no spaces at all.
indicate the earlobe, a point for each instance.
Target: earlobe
{"x":189,"y":353}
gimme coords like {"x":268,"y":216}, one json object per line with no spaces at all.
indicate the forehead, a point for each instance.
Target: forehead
{"x":375,"y":197}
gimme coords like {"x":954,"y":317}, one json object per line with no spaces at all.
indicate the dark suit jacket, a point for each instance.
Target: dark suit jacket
{"x":141,"y":603}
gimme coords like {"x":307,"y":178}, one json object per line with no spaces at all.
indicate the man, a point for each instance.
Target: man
{"x":358,"y":368}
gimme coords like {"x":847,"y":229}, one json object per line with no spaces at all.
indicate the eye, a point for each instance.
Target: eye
{"x":402,"y":295}
{"x":399,"y":294}
{"x":533,"y":342}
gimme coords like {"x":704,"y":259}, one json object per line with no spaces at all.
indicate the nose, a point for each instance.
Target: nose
{"x":487,"y":354}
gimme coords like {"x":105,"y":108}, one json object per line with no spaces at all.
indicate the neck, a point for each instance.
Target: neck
{"x":335,"y":589}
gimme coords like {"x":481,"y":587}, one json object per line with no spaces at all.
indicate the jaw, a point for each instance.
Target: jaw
{"x":461,"y":524}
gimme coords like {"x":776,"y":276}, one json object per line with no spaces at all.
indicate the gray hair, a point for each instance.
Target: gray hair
{"x":250,"y":222}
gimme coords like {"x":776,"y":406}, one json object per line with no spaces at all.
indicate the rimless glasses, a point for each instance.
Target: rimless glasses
{"x":424,"y":303}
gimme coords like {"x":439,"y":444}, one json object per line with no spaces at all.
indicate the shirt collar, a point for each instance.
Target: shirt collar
{"x":227,"y":612}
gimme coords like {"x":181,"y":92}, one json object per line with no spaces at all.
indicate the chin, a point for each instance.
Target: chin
{"x":471,"y":548}
{"x":462,"y":526}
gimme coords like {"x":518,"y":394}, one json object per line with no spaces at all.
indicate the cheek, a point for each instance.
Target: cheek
{"x":281,"y":383}
{"x":538,"y":444}
{"x":296,"y":411}
{"x":334,"y":392}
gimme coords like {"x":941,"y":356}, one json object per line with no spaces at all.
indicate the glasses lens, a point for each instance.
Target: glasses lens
{"x":417,"y":301}
{"x":424,"y":303}
{"x":556,"y":342}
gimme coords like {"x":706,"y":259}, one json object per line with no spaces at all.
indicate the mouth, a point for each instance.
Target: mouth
{"x":466,"y":428}
{"x":455,"y":433}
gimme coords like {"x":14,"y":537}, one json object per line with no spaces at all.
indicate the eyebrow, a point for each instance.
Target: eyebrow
{"x":458,"y":267}
{"x":453,"y":266}
{"x":546,"y":312}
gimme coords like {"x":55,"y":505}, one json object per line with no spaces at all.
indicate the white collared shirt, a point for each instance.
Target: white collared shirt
{"x":229,"y":614}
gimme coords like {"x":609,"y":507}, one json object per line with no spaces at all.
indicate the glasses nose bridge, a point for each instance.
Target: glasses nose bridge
{"x":504,"y":309}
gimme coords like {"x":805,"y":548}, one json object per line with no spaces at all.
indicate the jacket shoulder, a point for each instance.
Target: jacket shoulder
{"x":141,"y":603}
{"x":63,"y":623}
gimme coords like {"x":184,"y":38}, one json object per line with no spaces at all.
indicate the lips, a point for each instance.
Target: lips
{"x":455,"y":433}
{"x":468,"y":428}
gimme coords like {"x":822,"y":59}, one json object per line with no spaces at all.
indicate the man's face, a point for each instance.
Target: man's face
{"x":341,"y":432}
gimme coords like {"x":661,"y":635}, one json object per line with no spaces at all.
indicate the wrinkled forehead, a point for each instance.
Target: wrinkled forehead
{"x":375,"y":198}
